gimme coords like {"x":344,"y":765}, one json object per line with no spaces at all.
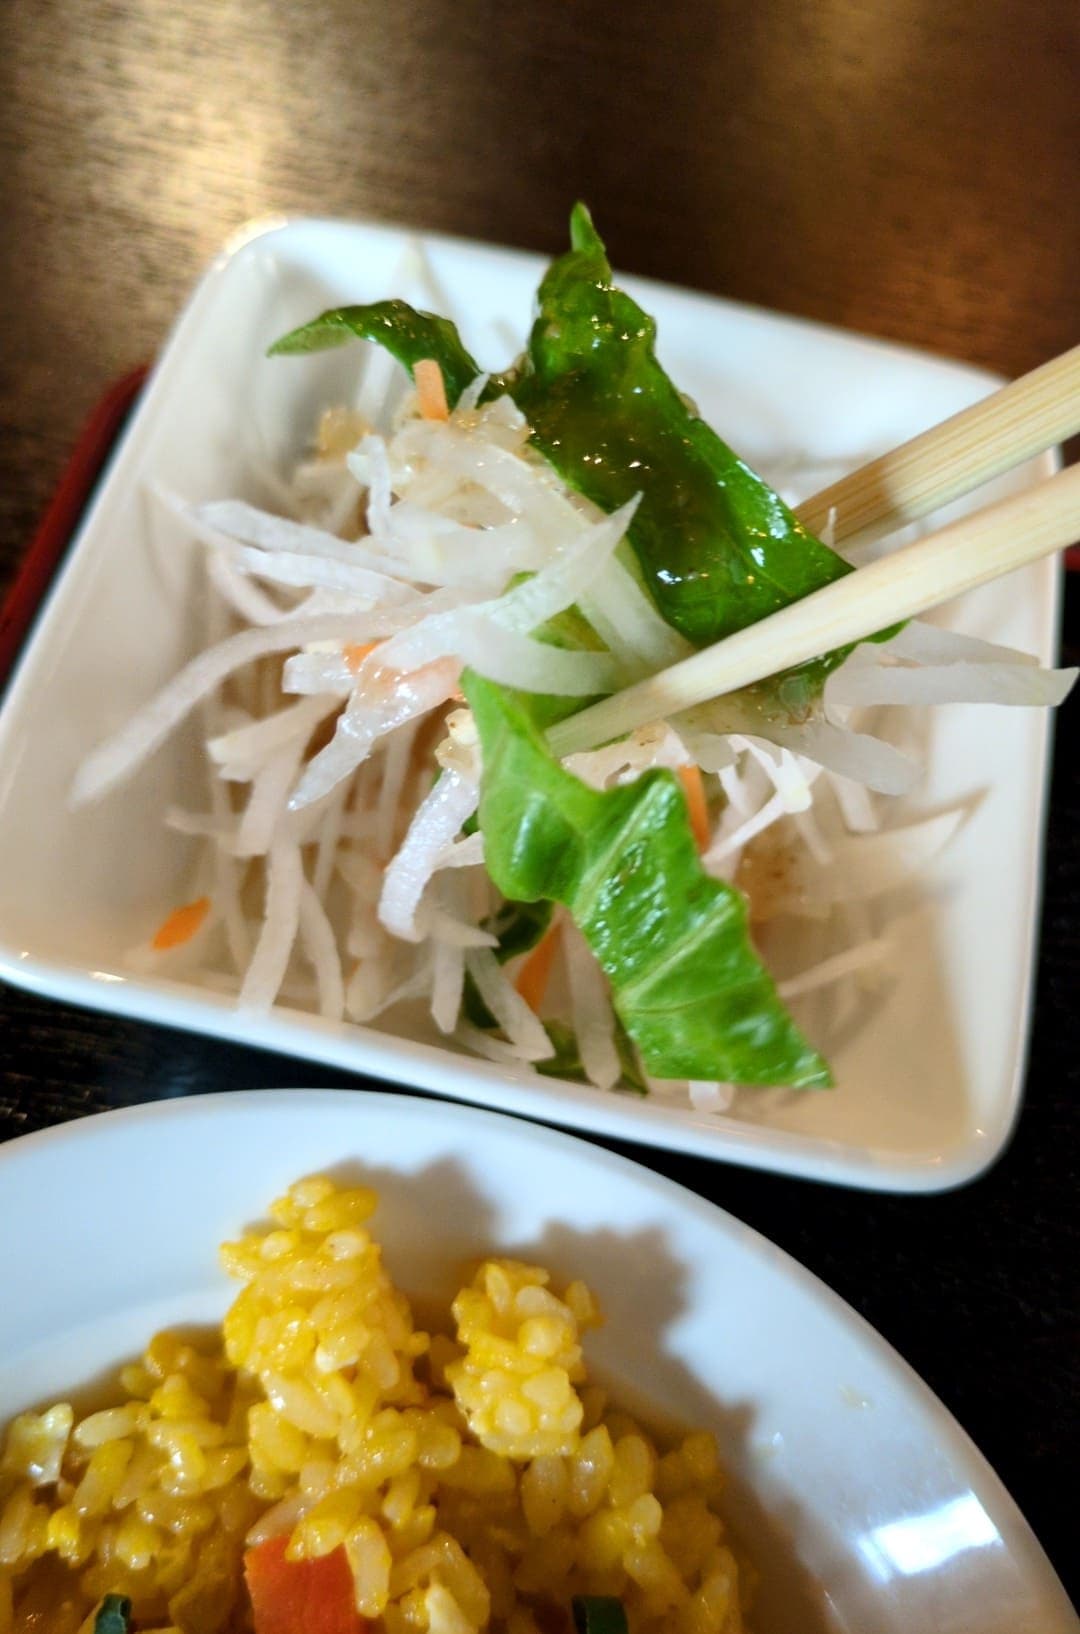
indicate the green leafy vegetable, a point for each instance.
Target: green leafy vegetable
{"x":686,"y":982}
{"x":598,"y":1614}
{"x":718,"y":547}
{"x":114,"y":1615}
{"x":406,"y":334}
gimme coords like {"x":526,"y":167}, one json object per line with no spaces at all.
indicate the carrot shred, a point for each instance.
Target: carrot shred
{"x":355,"y":654}
{"x":535,"y":973}
{"x":181,"y":925}
{"x":690,"y":778}
{"x":301,"y":1596}
{"x":430,"y":390}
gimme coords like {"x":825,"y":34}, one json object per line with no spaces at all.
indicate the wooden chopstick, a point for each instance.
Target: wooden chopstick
{"x":1021,"y":420}
{"x":922,"y":575}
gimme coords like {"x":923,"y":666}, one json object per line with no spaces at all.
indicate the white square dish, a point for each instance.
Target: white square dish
{"x":928,"y":1088}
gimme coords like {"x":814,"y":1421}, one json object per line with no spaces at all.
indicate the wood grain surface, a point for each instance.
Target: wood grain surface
{"x":904,"y":167}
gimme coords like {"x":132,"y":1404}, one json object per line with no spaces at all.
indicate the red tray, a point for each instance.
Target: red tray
{"x":54,"y":533}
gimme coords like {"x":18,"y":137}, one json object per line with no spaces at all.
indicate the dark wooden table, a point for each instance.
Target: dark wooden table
{"x":906,"y":169}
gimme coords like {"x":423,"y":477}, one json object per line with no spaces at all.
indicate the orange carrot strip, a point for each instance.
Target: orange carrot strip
{"x":181,"y":925}
{"x":430,"y":390}
{"x":301,"y":1596}
{"x":355,"y":655}
{"x":690,"y":778}
{"x":535,"y":973}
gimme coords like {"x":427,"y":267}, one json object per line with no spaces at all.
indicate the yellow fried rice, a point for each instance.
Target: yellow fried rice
{"x":475,"y":1481}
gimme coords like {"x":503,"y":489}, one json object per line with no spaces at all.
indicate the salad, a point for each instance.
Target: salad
{"x":463,"y":565}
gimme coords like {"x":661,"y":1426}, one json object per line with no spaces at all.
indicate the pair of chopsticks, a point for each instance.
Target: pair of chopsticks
{"x":982,"y":442}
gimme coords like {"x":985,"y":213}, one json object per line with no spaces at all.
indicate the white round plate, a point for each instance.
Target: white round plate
{"x":864,"y":1504}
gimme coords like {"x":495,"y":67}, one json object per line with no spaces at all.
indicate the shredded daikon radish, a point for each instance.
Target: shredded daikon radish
{"x":442,"y":927}
{"x":809,"y":831}
{"x":286,"y":567}
{"x":241,"y":752}
{"x":235,"y":520}
{"x":220,"y":827}
{"x":121,"y":755}
{"x":627,"y":620}
{"x":856,"y":804}
{"x":310,"y":674}
{"x":978,"y":683}
{"x":448,"y":961}
{"x":708,"y":750}
{"x":379,"y":704}
{"x":591,"y":1012}
{"x":447,"y":985}
{"x":525,"y":1032}
{"x":478,"y":639}
{"x":281,"y":920}
{"x":792,"y":779}
{"x":320,"y":945}
{"x":267,"y":800}
{"x":466,"y":853}
{"x":738,"y":838}
{"x":472,"y":394}
{"x":240,"y":594}
{"x":328,"y":838}
{"x":439,"y":818}
{"x":925,"y":643}
{"x":363,"y":1005}
{"x":851,"y":754}
{"x":397,"y":756}
{"x":215,"y":716}
{"x":489,"y":1045}
{"x":648,"y":746}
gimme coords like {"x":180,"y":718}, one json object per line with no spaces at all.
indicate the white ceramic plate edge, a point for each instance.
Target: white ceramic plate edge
{"x":426,"y":1067}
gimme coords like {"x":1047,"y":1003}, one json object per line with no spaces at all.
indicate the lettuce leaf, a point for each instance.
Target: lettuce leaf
{"x":718,"y":547}
{"x":406,"y":334}
{"x":686,"y":982}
